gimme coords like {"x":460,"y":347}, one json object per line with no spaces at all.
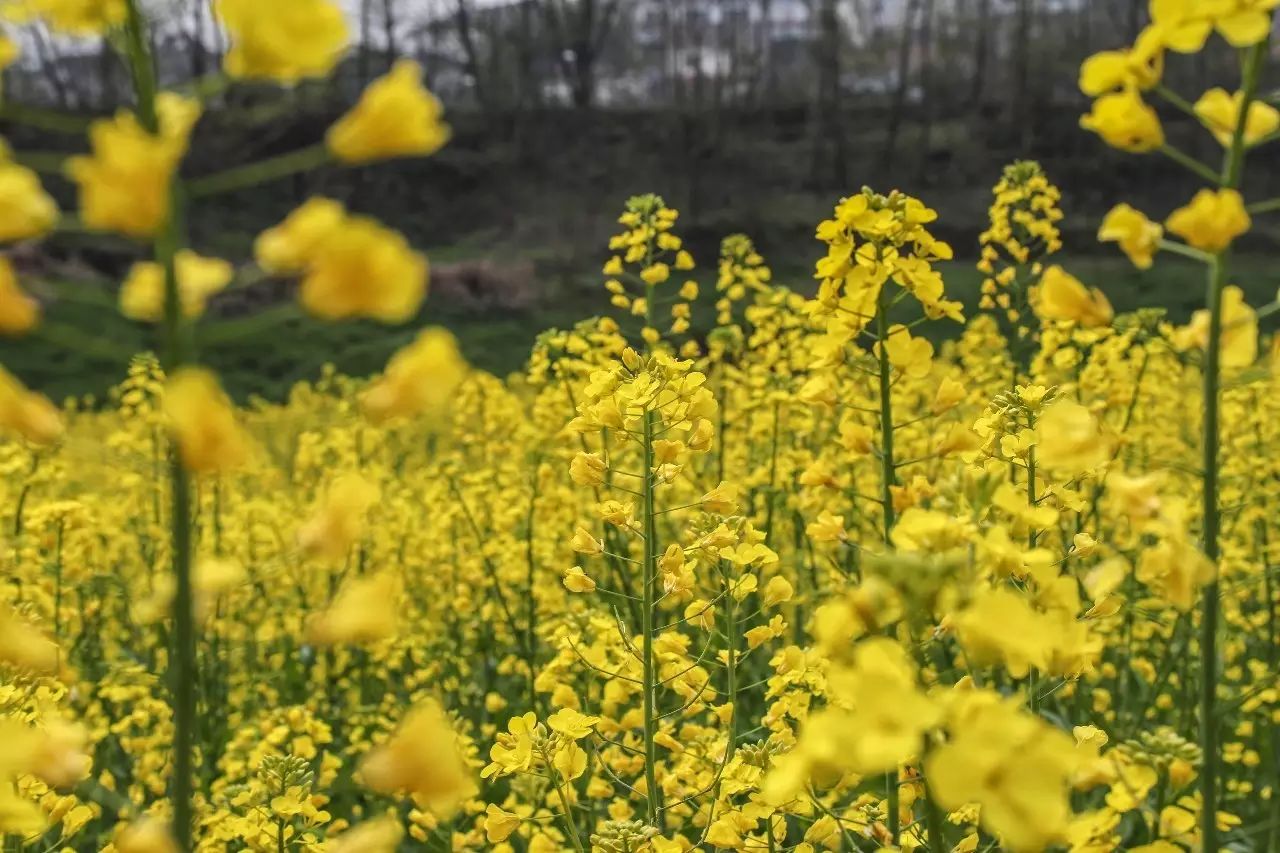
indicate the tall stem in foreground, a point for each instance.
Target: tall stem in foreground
{"x":888,"y":479}
{"x":177,"y":352}
{"x":1219,"y":267}
{"x":647,"y":604}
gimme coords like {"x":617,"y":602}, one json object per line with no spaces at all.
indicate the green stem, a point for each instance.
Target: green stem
{"x":1269,"y":206}
{"x":253,"y":174}
{"x":1191,"y":163}
{"x":647,"y":606}
{"x":177,"y":347}
{"x":888,"y":479}
{"x":1232,"y":170}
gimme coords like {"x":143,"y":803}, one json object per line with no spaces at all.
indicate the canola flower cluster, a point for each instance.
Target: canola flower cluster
{"x":809,"y":583}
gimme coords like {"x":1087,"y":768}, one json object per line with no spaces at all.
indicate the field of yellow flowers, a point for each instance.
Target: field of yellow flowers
{"x":808,"y":584}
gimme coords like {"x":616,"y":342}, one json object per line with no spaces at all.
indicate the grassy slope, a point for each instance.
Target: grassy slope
{"x":83,"y":346}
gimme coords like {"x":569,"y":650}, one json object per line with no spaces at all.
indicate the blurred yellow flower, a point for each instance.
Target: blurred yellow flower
{"x":395,"y":117}
{"x":23,"y":646}
{"x":146,"y":835}
{"x":27,"y":413}
{"x":1137,"y":236}
{"x":1140,"y":66}
{"x":1219,"y":111}
{"x":125,"y":184}
{"x":9,"y":52}
{"x":142,"y":296}
{"x":1061,"y":296}
{"x":351,"y":266}
{"x":26,"y":210}
{"x":1068,"y":439}
{"x":19,"y":313}
{"x":1212,"y":221}
{"x":282,"y":41}
{"x":1125,"y":121}
{"x":423,"y":759}
{"x":337,"y":523}
{"x":380,"y":835}
{"x":420,"y":379}
{"x":365,"y":610}
{"x":203,"y":422}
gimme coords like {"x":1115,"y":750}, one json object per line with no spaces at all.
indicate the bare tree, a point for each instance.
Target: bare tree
{"x":389,"y":30}
{"x":579,"y":29}
{"x":470,"y":53}
{"x":903,"y":82}
{"x":981,"y":52}
{"x":830,"y":145}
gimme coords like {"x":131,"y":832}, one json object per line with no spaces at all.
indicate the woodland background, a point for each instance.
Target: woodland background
{"x":749,"y":116}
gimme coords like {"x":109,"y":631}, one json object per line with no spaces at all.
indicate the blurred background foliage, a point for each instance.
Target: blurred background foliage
{"x":749,"y":115}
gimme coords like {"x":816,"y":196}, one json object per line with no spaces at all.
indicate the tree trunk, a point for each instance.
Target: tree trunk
{"x":981,"y":49}
{"x":366,"y":34}
{"x":471,"y":59}
{"x":1022,"y":73}
{"x":927,"y":80}
{"x":899,"y":104}
{"x":389,"y":30}
{"x":199,"y":57}
{"x":831,"y":143}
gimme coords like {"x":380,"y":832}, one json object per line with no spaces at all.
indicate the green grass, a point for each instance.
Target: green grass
{"x":84,"y":344}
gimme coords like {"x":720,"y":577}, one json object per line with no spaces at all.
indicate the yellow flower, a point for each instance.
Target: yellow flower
{"x":142,"y":296}
{"x":27,"y":413}
{"x":1219,"y":111}
{"x":423,"y":758}
{"x":55,"y":752}
{"x":290,"y":247}
{"x":365,"y":610}
{"x":421,"y":379}
{"x":913,"y":356}
{"x":1211,"y":221}
{"x":1139,"y":67}
{"x":1183,"y":25}
{"x":777,"y":591}
{"x":1015,"y":767}
{"x":26,"y":210}
{"x":211,"y":578}
{"x":1061,"y":296}
{"x":9,"y":52}
{"x":1244,"y":22}
{"x":147,"y":835}
{"x":576,"y":580}
{"x":499,"y":824}
{"x":1239,"y":329}
{"x":125,"y":184}
{"x":395,"y":117}
{"x":23,"y":647}
{"x":282,"y":41}
{"x":587,"y":469}
{"x":1137,"y":236}
{"x":19,"y":313}
{"x":381,"y":835}
{"x":203,"y":422}
{"x":1068,"y":438}
{"x":351,"y":265}
{"x":655,"y":274}
{"x":1176,"y":570}
{"x":339,"y":520}
{"x":572,"y":723}
{"x":80,"y":17}
{"x":1125,"y":121}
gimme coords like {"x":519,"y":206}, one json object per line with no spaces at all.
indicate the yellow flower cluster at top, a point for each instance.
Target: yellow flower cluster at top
{"x":649,"y":254}
{"x":1022,"y":234}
